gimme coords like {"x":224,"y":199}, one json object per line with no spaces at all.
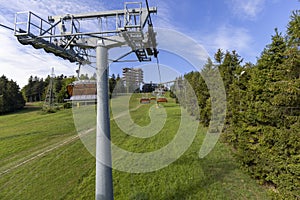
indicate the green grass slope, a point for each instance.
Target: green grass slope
{"x":41,"y":158}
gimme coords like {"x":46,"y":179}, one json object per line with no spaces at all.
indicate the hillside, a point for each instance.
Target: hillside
{"x":42,"y":158}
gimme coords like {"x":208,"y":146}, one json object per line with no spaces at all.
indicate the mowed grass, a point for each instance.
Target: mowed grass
{"x":68,"y":172}
{"x":27,"y":132}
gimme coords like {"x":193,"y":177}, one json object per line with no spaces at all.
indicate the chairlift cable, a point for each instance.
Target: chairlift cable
{"x":4,"y":26}
{"x":161,"y":98}
{"x":158,"y":67}
{"x":150,"y":20}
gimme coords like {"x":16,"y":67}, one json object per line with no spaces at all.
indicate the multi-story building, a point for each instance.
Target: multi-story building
{"x":132,"y":78}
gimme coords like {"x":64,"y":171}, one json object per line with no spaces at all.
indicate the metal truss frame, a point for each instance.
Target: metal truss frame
{"x":68,"y":36}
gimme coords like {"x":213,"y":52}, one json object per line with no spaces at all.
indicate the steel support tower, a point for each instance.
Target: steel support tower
{"x":50,"y":96}
{"x":72,"y":37}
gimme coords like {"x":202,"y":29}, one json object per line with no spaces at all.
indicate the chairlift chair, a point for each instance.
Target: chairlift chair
{"x":145,"y":100}
{"x":162,"y":100}
{"x":153,"y":98}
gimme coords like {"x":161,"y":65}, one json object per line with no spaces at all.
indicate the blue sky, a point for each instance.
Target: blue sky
{"x":242,"y":25}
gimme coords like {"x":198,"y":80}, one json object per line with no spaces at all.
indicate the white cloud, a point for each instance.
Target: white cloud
{"x":44,"y":8}
{"x":228,"y":37}
{"x":164,"y":17}
{"x":182,"y":46}
{"x":248,"y":9}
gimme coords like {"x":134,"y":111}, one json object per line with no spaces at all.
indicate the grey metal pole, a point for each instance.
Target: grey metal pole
{"x":104,"y":184}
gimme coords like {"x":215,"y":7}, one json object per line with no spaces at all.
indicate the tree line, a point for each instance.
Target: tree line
{"x":263,"y":108}
{"x":11,"y":98}
{"x":36,"y":89}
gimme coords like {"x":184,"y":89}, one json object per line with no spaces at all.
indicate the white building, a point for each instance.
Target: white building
{"x":132,"y":78}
